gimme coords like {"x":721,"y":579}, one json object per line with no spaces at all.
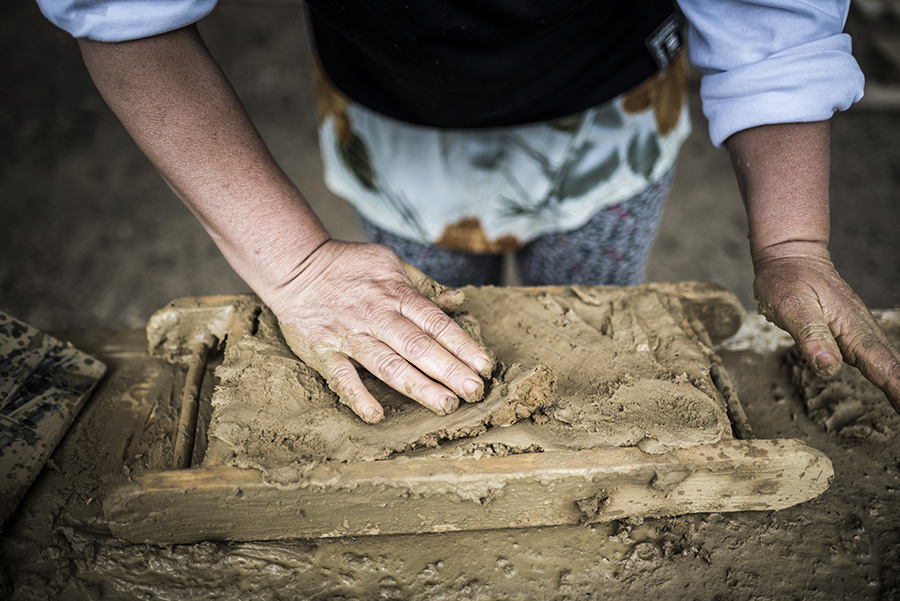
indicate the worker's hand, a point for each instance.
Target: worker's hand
{"x":799,"y":290}
{"x":356,"y":303}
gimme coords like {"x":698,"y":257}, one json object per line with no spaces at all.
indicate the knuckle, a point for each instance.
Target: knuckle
{"x":814,"y":332}
{"x":341,"y":371}
{"x":421,"y":392}
{"x":390,"y":367}
{"x":416,"y":344}
{"x":342,"y":374}
{"x":367,"y":310}
{"x":450,"y":371}
{"x":437,"y":323}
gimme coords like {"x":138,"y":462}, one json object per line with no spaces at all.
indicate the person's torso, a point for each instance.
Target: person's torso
{"x":480,"y":63}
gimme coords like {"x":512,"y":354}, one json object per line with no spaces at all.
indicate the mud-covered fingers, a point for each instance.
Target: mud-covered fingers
{"x":813,"y":335}
{"x":344,"y":380}
{"x":866,"y":346}
{"x":390,"y":367}
{"x":802,"y":317}
{"x":441,"y":327}
{"x":430,"y":357}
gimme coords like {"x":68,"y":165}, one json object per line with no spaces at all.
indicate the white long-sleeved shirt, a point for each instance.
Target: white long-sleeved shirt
{"x":123,"y":20}
{"x":771,"y":61}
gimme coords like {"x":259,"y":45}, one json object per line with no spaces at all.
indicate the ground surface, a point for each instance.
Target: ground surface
{"x":843,"y":545}
{"x":91,"y":237}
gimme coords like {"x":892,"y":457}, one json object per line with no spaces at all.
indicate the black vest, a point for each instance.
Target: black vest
{"x":482,"y":63}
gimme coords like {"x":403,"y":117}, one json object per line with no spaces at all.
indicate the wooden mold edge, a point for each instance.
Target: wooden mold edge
{"x":402,"y":496}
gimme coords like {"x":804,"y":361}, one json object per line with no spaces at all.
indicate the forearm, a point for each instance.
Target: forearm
{"x":783,"y":171}
{"x":178,"y":106}
{"x":783,"y":174}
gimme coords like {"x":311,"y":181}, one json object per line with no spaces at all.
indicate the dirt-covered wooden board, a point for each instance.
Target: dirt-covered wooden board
{"x":545,"y":480}
{"x":43,"y":384}
{"x":415,"y":495}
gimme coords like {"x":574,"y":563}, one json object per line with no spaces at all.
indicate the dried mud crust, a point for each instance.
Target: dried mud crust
{"x":583,"y":368}
{"x":847,"y":405}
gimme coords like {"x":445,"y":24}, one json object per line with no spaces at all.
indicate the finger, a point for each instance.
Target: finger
{"x":806,"y":322}
{"x":425,"y":352}
{"x":866,"y":347}
{"x":344,"y":380}
{"x":450,"y":334}
{"x":441,"y":327}
{"x":453,"y":339}
{"x":395,"y":371}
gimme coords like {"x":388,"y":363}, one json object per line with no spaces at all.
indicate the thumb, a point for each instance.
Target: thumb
{"x":448,"y":299}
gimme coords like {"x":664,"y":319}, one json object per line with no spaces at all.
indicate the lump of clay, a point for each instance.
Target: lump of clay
{"x":616,"y":367}
{"x":845,"y":405}
{"x":272,"y":410}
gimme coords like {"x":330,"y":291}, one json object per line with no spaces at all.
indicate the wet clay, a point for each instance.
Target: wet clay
{"x":590,"y":368}
{"x":273,"y":412}
{"x":630,"y":369}
{"x":847,"y":404}
{"x":846,"y":545}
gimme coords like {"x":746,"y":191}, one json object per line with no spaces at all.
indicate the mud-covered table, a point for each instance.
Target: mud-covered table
{"x":844,"y":544}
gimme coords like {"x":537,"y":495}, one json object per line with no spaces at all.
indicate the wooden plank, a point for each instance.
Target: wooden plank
{"x":190,"y":403}
{"x":413,"y":495}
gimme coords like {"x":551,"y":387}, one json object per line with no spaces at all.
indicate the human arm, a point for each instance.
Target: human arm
{"x":774,"y":72}
{"x":350,"y":302}
{"x":783,"y":174}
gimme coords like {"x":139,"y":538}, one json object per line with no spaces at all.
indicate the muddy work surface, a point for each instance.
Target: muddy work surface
{"x":843,"y":545}
{"x":578,"y":368}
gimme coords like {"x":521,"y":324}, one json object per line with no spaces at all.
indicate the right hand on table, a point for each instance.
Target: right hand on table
{"x":356,"y":303}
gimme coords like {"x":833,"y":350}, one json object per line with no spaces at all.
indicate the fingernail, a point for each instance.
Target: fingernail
{"x":481,"y":364}
{"x":373,"y":414}
{"x":826,"y":364}
{"x":472,"y":388}
{"x":449,"y":404}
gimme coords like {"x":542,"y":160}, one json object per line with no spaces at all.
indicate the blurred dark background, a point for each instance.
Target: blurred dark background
{"x":91,"y":237}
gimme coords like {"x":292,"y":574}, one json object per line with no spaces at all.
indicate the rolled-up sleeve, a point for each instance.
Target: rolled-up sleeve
{"x":771,"y":61}
{"x":122,"y":20}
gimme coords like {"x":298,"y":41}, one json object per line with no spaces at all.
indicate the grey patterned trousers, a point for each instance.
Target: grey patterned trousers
{"x":610,"y":249}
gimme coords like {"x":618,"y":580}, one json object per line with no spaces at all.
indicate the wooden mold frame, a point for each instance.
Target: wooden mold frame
{"x":434,"y":494}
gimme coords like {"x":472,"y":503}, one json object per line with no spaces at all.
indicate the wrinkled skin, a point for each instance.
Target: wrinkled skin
{"x":804,"y":295}
{"x":783,"y":174}
{"x":359,"y":304}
